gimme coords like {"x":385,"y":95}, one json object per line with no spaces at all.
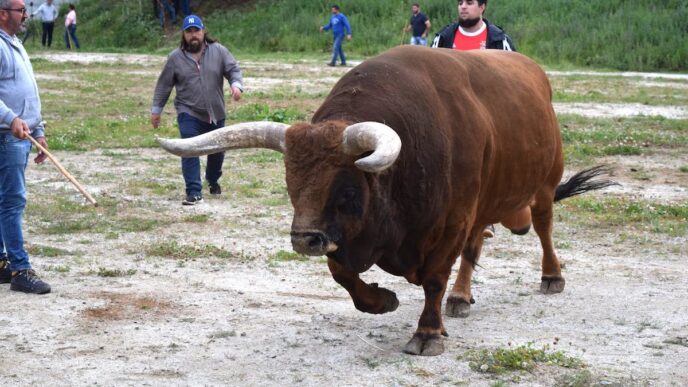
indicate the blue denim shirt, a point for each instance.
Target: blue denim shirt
{"x":339,"y":25}
{"x":18,"y":88}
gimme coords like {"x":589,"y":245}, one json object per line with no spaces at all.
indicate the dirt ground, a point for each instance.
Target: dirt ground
{"x":255,"y":321}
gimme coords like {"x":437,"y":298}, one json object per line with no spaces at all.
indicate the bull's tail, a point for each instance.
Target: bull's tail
{"x":583,"y":182}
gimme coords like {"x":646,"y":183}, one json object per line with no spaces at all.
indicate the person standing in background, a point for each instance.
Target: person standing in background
{"x":472,"y":31}
{"x":70,"y":28}
{"x":20,"y":116}
{"x":340,"y":27}
{"x":47,"y":12}
{"x":420,"y":25}
{"x":197,"y":70}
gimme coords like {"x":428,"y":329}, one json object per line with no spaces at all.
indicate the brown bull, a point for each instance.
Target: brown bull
{"x":410,"y":156}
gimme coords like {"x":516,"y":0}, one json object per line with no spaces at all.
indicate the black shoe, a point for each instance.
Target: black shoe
{"x":27,"y":281}
{"x":215,"y":189}
{"x":192,"y":200}
{"x":331,"y":64}
{"x":5,"y":272}
{"x":343,"y":64}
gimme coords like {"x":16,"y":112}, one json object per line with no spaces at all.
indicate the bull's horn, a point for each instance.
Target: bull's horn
{"x":379,"y":138}
{"x":259,"y":134}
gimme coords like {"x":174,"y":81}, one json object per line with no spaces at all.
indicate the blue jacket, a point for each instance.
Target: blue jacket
{"x":339,"y":24}
{"x":18,"y":88}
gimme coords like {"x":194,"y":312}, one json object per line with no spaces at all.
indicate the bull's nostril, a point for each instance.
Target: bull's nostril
{"x":316,"y":241}
{"x":313,"y":242}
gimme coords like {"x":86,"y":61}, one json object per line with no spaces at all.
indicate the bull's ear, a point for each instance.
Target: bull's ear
{"x":375,"y":137}
{"x":259,"y":134}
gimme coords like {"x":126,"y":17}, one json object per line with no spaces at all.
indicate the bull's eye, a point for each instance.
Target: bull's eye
{"x":348,"y":202}
{"x":348,"y":195}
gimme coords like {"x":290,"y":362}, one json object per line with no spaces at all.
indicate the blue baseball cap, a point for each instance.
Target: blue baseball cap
{"x":192,"y":21}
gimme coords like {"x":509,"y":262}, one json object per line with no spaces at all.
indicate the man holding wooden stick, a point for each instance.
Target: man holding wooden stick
{"x":20,"y":117}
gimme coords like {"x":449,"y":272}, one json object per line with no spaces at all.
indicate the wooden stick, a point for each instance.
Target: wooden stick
{"x":63,"y":171}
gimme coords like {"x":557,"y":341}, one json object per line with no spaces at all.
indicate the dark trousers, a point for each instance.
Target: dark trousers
{"x":190,"y":126}
{"x":47,"y":33}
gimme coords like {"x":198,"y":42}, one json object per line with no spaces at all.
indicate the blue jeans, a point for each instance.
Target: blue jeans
{"x":70,"y":32}
{"x":185,"y":7}
{"x":165,"y":5}
{"x":14,"y":156}
{"x":190,"y":126}
{"x":418,"y":41}
{"x":337,"y":49}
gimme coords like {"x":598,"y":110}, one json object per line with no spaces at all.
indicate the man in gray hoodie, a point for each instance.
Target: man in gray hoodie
{"x":20,"y":116}
{"x":197,"y":69}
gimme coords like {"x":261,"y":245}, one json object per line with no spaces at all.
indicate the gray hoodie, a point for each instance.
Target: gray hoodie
{"x":199,"y":88}
{"x":18,"y":88}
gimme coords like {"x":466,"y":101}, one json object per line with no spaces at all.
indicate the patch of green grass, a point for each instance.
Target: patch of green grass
{"x":641,"y":215}
{"x":683,"y":168}
{"x":276,"y":201}
{"x":172,"y":249}
{"x":139,"y":186}
{"x":586,"y":138}
{"x":264,"y":156}
{"x":264,"y":112}
{"x":286,"y":256}
{"x":525,"y":357}
{"x":105,"y":272}
{"x":46,"y":251}
{"x":63,"y":215}
{"x":252,"y":189}
{"x":58,"y":268}
{"x":196,"y":218}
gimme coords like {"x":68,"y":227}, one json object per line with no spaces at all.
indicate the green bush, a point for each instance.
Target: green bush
{"x":617,"y":34}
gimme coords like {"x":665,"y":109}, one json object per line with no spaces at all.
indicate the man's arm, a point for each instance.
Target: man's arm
{"x":327,"y":26}
{"x":163,"y":89}
{"x":427,"y":27}
{"x":347,"y":26}
{"x":233,"y":74}
{"x":34,"y":13}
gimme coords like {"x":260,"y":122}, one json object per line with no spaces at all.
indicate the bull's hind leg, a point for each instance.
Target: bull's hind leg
{"x":542,"y":212}
{"x":366,"y":298}
{"x":460,"y":297}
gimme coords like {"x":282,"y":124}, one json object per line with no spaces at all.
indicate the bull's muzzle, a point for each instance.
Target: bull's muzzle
{"x":312,"y":243}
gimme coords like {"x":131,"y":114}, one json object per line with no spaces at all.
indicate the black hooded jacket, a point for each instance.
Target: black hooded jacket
{"x":497,"y":39}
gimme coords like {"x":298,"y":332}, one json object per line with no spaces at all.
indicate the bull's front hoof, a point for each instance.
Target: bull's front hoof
{"x":383,"y":301}
{"x":425,"y":345}
{"x":552,"y":285}
{"x":458,"y":307}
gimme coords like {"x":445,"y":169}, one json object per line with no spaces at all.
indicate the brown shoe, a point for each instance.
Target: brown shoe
{"x":489,"y":231}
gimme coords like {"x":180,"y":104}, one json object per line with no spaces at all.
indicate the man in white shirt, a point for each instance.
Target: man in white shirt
{"x":47,"y":13}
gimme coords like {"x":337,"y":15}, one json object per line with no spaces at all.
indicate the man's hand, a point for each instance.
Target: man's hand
{"x":236,"y":93}
{"x":155,"y":120}
{"x":348,"y":37}
{"x":40,"y":158}
{"x":322,"y":29}
{"x":19,"y":128}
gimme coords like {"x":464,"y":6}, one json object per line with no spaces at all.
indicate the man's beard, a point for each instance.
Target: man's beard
{"x":468,"y":23}
{"x":193,"y":46}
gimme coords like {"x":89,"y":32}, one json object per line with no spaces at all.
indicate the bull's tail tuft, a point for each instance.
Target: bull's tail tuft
{"x":583,"y":182}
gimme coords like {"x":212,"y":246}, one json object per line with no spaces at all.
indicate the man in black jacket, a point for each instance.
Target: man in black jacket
{"x":472,"y":31}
